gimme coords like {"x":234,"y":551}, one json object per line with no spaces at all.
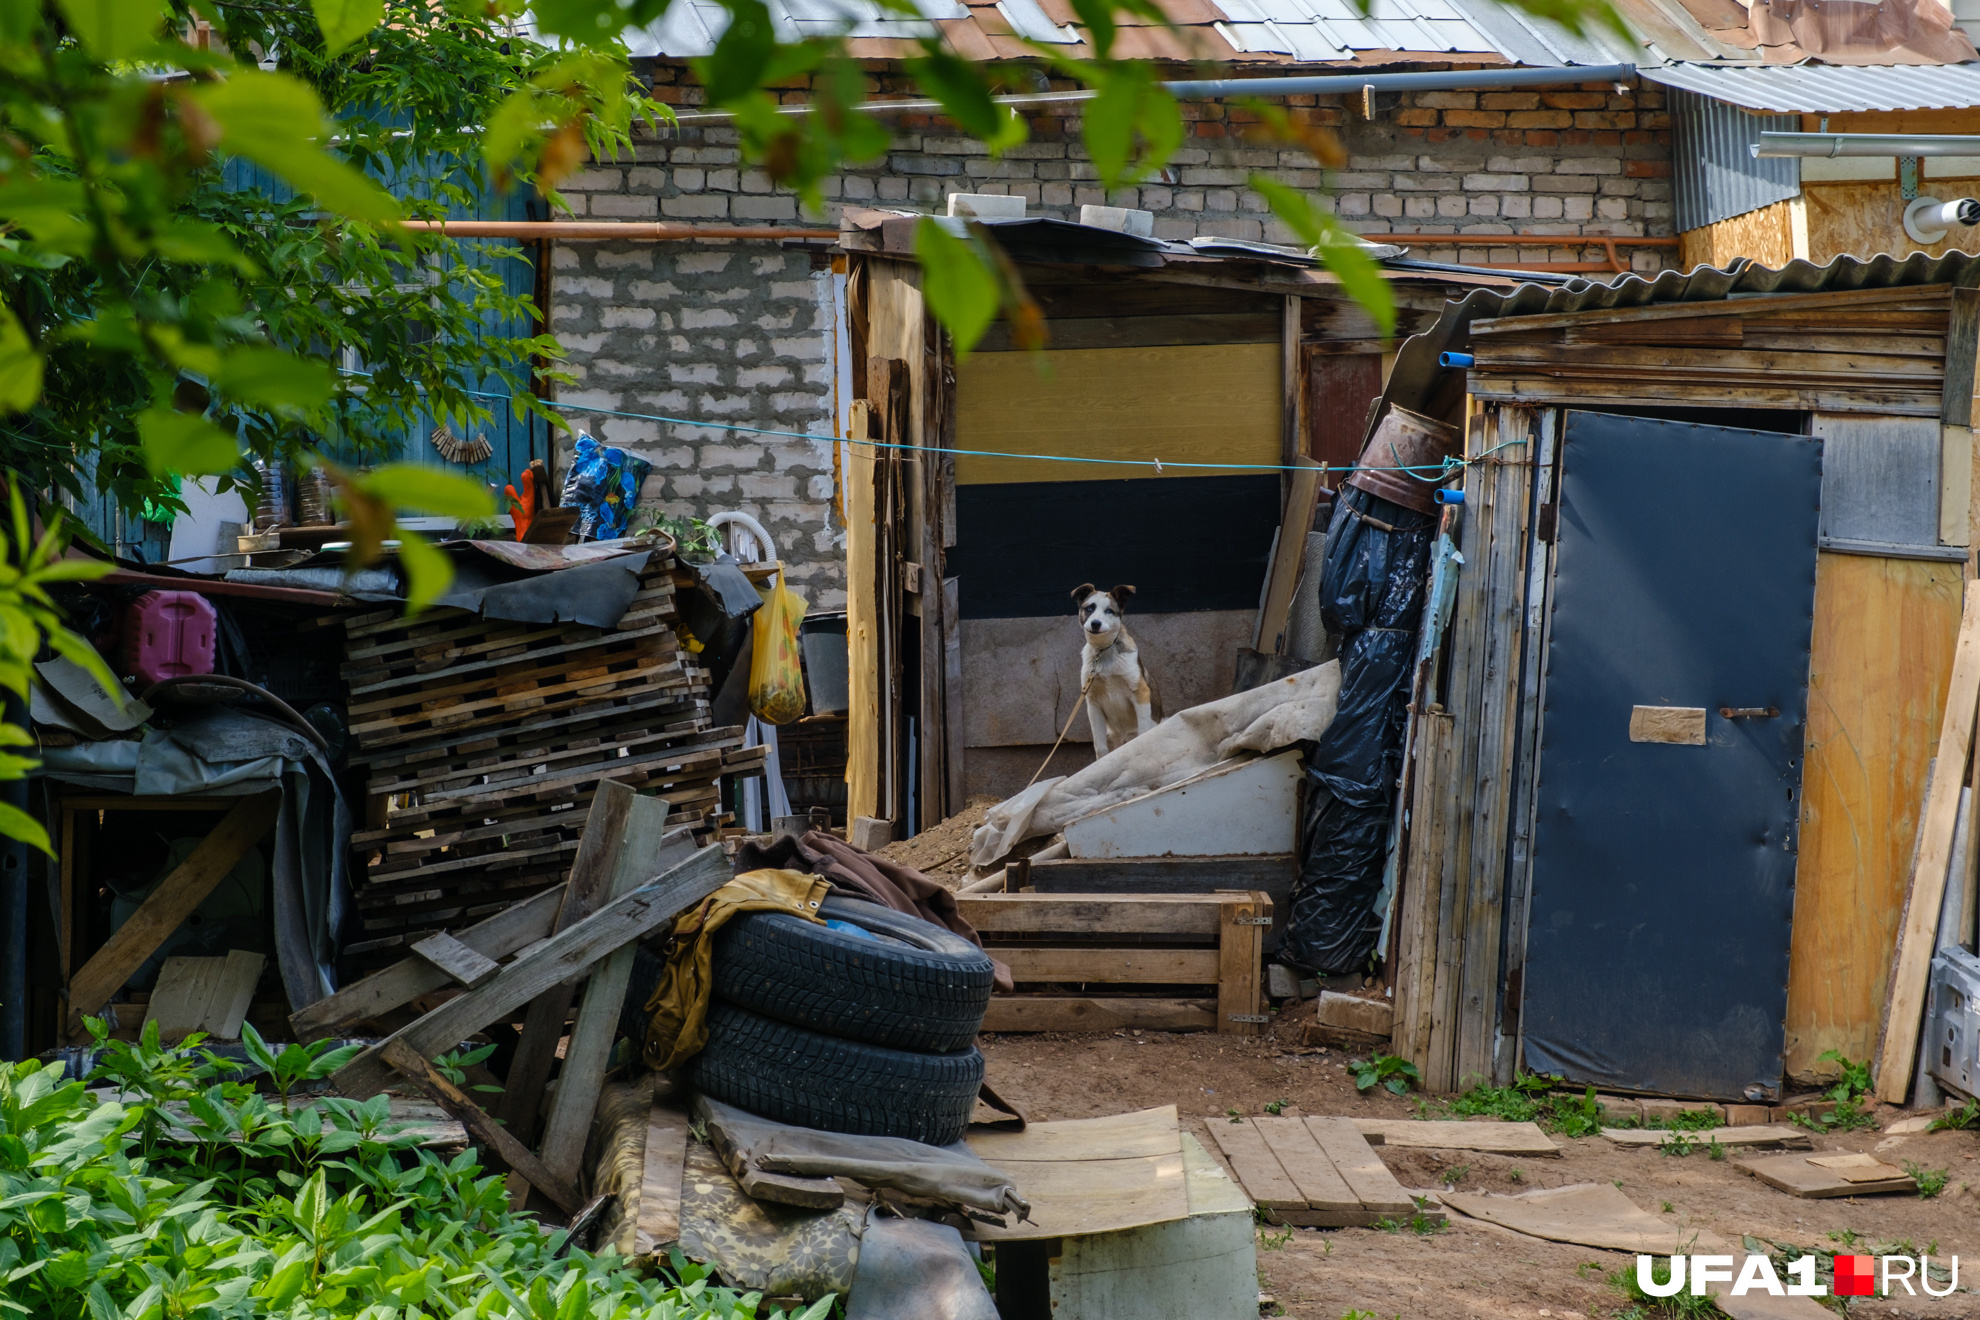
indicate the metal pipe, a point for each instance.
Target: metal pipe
{"x":1212,"y":88}
{"x":1521,"y":240}
{"x":1774,"y":146}
{"x":579,"y":231}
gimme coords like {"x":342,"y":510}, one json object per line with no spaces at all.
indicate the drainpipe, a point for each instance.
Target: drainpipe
{"x":1773,"y":146}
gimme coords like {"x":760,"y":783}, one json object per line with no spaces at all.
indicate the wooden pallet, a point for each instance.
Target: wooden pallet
{"x":1314,"y":1173}
{"x":1194,"y":958}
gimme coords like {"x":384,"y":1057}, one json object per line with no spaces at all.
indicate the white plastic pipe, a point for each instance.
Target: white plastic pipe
{"x":1772,"y":146}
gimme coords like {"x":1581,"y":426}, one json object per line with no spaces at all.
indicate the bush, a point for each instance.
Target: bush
{"x":194,"y":1197}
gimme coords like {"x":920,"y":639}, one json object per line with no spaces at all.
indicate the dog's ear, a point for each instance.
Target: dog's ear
{"x":1121,"y":593}
{"x":1082,"y":591}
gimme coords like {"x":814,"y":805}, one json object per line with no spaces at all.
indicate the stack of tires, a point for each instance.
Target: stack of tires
{"x":865,"y":1025}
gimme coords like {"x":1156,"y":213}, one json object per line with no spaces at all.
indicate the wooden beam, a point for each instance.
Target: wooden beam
{"x":1241,"y":921}
{"x":1113,"y":914}
{"x":1082,"y":966}
{"x":1903,"y":1016}
{"x":404,"y":981}
{"x":863,"y":694}
{"x":1956,"y":419}
{"x":567,"y":954}
{"x":1772,"y":305}
{"x":417,"y":1069}
{"x":169,"y":904}
{"x":659,"y":1221}
{"x":1289,"y":555}
{"x":462,"y":965}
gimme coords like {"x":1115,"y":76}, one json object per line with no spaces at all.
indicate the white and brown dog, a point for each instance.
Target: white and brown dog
{"x":1120,"y":699}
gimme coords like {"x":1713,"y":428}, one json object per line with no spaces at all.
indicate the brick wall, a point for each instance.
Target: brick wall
{"x":737,"y":331}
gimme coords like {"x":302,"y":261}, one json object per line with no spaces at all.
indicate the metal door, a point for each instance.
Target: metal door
{"x":1670,"y":756}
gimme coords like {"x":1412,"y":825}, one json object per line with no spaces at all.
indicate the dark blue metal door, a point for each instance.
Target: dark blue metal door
{"x":1670,"y":756}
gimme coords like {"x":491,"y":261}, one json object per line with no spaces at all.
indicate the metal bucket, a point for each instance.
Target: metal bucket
{"x":1405,"y":439}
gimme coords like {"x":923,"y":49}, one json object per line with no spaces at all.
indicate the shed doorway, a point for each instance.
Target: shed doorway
{"x":1672,"y":720}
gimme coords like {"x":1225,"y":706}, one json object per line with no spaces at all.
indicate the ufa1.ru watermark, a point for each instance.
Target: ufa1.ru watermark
{"x":1856,"y":1276}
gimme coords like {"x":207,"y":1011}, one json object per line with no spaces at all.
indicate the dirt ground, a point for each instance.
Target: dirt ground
{"x":1470,"y":1270}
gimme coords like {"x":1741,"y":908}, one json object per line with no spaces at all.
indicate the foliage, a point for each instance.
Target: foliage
{"x":1275,"y":1241}
{"x":1420,"y":1222}
{"x":693,"y":537}
{"x":1642,"y":1306}
{"x":1930,"y":1181}
{"x":1847,"y":1114}
{"x":1276,"y":1107}
{"x":1957,"y":1119}
{"x":192,"y":1195}
{"x":1532,"y":1098}
{"x":1394,"y":1074}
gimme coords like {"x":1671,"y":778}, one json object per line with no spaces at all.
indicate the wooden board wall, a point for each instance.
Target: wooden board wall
{"x":1766,"y":235}
{"x":1193,"y":403}
{"x":1881,"y":658}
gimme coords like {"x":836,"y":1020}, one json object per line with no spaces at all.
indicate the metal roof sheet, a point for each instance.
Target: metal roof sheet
{"x":1827,"y":88}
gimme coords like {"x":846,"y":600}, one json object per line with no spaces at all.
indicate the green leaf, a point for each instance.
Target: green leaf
{"x":1130,"y":105}
{"x":114,"y":29}
{"x":20,"y":366}
{"x":344,"y":21}
{"x":428,"y":574}
{"x":274,"y":378}
{"x":960,"y":286}
{"x":959,"y":85}
{"x":742,"y":55}
{"x":1338,"y":250}
{"x":198,"y":243}
{"x":185,"y":443}
{"x":51,"y":210}
{"x":285,"y":1285}
{"x":277,"y":122}
{"x":17,"y":824}
{"x":430,"y":490}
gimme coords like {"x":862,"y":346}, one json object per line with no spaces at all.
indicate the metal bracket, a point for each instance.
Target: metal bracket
{"x":1908,"y":177}
{"x":1251,"y":921}
{"x":1250,"y":1017}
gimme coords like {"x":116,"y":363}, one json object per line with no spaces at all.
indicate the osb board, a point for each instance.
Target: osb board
{"x":1203,"y":403}
{"x":1866,"y":219}
{"x":1881,"y":658}
{"x":1444,"y":1134}
{"x":1802,"y":1176}
{"x":1090,"y":1175}
{"x":1765,"y":235}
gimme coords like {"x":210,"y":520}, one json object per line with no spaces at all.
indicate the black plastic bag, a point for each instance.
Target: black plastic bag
{"x":1331,"y":922}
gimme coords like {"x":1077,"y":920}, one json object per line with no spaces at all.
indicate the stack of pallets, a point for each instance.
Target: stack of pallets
{"x":485,"y":739}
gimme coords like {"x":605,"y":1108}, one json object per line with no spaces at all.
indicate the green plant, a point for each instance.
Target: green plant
{"x":1715,"y":1150}
{"x":1275,"y":1241}
{"x":1395,"y":1075}
{"x":1234,"y":1115}
{"x":454,"y":1065}
{"x":1846,"y":1113}
{"x":1642,"y":1306}
{"x":1930,"y":1181}
{"x":1514,"y":1175}
{"x":1957,"y":1119}
{"x":1532,"y":1097}
{"x":1276,"y":1107}
{"x":1848,"y":1237}
{"x":1679,"y":1143}
{"x":1457,"y":1173}
{"x":1668,"y":1207}
{"x":190,"y":1196}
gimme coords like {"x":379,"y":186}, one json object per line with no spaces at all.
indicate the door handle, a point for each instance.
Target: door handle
{"x":1749,"y":712}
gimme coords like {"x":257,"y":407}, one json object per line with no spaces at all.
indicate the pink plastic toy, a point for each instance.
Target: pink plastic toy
{"x":167,"y":634}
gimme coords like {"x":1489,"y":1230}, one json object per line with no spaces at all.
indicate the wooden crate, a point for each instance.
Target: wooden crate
{"x":1079,"y":959}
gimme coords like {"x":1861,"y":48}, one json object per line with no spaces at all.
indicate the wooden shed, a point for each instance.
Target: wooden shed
{"x":1668,"y":784}
{"x":961,"y":565}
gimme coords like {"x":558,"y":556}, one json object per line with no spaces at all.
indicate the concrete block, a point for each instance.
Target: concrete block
{"x":986,"y":206}
{"x":870,"y":834}
{"x":1655,"y":1107}
{"x":1121,"y":219}
{"x":1622,"y":1106}
{"x":1374,"y":1017}
{"x":1749,"y":1115}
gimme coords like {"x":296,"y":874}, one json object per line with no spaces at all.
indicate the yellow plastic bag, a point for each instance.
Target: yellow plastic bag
{"x":776,"y":675}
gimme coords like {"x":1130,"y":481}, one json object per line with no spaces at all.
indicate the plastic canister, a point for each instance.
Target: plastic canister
{"x":168,"y":634}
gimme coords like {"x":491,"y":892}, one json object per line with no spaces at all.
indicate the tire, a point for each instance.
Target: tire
{"x":792,"y":1075}
{"x":920,"y":988}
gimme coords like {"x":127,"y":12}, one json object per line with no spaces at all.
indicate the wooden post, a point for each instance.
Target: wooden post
{"x":1241,"y":924}
{"x":417,"y":1069}
{"x":862,"y":621}
{"x":1956,"y":418}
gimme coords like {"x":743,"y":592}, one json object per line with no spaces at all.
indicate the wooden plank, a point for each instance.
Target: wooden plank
{"x":1443,"y":1134}
{"x":1962,"y":348}
{"x":1955,"y":485}
{"x":1124,"y":966}
{"x":659,"y":1222}
{"x":568,"y":953}
{"x":1903,"y":1020}
{"x":1798,"y":1175}
{"x":954,"y":740}
{"x":1144,"y":331}
{"x":168,"y":905}
{"x":621,"y":831}
{"x":1115,"y":914}
{"x":1203,"y":403}
{"x":1707,"y":363}
{"x":1565,"y":389}
{"x":210,"y":995}
{"x":1302,"y":501}
{"x":417,"y":1069}
{"x":1271,"y":873}
{"x":1300,"y":1156}
{"x":1880,"y":657}
{"x":1135,"y":1134}
{"x":1258,"y":1170}
{"x":1423,"y":879}
{"x":1291,"y":431}
{"x":1771,"y":1134}
{"x":462,"y":965}
{"x":1240,"y":953}
{"x":1770,"y":305}
{"x":1360,"y":1167}
{"x":1072,"y":1013}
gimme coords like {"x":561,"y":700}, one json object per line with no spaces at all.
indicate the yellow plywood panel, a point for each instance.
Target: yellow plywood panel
{"x":1881,"y":658}
{"x":1766,"y":235}
{"x":1866,"y":219}
{"x":1215,"y":403}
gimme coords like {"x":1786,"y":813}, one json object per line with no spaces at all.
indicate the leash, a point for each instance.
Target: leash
{"x":1062,"y":732}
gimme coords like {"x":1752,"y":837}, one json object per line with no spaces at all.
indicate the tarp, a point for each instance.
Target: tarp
{"x":1262,"y":719}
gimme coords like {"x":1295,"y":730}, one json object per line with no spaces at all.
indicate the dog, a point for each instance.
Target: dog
{"x":1120,"y":696}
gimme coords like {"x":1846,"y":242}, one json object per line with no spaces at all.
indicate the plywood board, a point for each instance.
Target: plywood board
{"x":1205,"y":403}
{"x":1773,"y":1134}
{"x":1684,"y":725}
{"x":209,"y":995}
{"x":1094,"y":1175}
{"x":1799,"y":1175}
{"x":1765,"y":236}
{"x":1880,"y":659}
{"x":1246,"y":808}
{"x":1441,"y":1134}
{"x":1115,"y":1137}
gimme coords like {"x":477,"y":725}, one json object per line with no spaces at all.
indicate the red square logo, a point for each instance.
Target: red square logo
{"x":1856,"y":1276}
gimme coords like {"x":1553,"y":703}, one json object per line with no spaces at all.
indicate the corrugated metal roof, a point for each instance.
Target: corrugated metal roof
{"x":1718,"y":176}
{"x":1828,"y":88}
{"x":1417,"y":376}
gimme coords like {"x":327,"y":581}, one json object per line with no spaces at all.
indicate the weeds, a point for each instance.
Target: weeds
{"x":1395,"y":1075}
{"x":1275,"y":1241}
{"x":1715,"y":1150}
{"x":1669,"y":1208}
{"x":1642,"y":1306}
{"x":1515,"y":1175}
{"x":1954,"y":1120}
{"x":1456,"y":1174}
{"x":1930,"y":1181}
{"x":1679,"y":1143}
{"x":1846,"y":1114}
{"x":1234,"y":1115}
{"x":1533,"y":1097}
{"x":1277,"y":1107}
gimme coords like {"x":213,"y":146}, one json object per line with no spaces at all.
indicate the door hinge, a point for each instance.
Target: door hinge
{"x":1546,"y":521}
{"x":1251,"y":921}
{"x":1250,"y":1017}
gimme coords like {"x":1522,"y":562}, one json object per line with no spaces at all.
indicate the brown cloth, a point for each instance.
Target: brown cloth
{"x":677,"y":1026}
{"x":862,"y":875}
